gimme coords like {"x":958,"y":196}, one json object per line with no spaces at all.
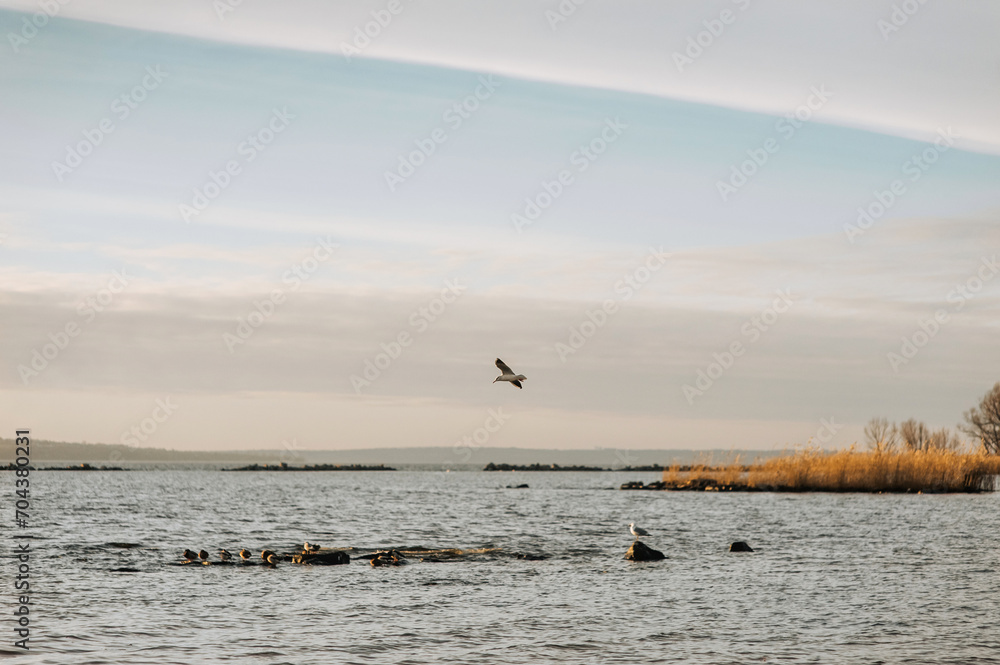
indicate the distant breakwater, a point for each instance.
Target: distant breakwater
{"x":555,"y":467}
{"x":283,"y":466}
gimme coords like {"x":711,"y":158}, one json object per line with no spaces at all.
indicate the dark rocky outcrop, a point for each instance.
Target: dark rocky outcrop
{"x":638,"y":485}
{"x":531,"y":557}
{"x":640,"y":552}
{"x":522,"y":486}
{"x":740,"y":546}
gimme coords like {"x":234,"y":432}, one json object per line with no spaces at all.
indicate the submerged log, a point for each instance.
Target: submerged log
{"x":320,"y":558}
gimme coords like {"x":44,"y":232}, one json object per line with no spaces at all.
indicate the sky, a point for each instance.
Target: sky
{"x":727,"y":224}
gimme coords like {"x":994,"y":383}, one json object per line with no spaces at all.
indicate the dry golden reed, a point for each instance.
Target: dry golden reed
{"x":817,"y":470}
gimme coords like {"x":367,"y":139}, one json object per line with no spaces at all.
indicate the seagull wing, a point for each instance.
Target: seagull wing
{"x":641,"y":531}
{"x":516,"y":383}
{"x":503,"y":367}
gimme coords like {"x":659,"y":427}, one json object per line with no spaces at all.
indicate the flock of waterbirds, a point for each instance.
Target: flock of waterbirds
{"x":270,"y":557}
{"x":311,"y":553}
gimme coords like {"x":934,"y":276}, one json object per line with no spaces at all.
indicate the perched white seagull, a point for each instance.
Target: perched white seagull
{"x":637,"y":530}
{"x":508,"y":374}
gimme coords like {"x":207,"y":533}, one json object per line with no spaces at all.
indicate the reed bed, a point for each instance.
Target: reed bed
{"x":816,"y":470}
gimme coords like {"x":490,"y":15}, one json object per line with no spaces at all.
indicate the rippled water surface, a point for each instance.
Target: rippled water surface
{"x":835,"y":578}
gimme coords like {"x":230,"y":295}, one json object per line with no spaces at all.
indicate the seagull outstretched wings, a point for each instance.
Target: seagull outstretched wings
{"x":507,"y":374}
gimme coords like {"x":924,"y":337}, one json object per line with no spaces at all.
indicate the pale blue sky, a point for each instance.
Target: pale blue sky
{"x":655,"y":186}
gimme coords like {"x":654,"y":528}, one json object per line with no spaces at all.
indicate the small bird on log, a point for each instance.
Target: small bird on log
{"x":265,"y":554}
{"x":272,"y":559}
{"x":245,"y":554}
{"x":189,"y":555}
{"x":203,"y":555}
{"x":225,"y":555}
{"x":310,"y":547}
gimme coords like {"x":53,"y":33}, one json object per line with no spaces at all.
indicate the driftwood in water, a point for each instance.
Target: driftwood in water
{"x":321,"y":558}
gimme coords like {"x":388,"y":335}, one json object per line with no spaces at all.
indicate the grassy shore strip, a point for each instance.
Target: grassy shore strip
{"x":815,"y":470}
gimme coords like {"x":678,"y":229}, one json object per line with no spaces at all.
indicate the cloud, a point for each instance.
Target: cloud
{"x":888,"y":83}
{"x":827,"y":354}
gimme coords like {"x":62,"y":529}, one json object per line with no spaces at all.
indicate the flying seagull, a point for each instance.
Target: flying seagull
{"x":508,"y":374}
{"x":637,"y":530}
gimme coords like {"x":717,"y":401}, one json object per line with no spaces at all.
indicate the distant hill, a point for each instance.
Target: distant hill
{"x":111,"y":454}
{"x":436,"y":457}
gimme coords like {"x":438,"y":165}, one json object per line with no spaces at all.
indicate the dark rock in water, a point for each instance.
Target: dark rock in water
{"x":639,"y":552}
{"x":740,"y":546}
{"x":531,"y":557}
{"x":518,"y":487}
{"x":315,"y":558}
{"x":124,"y":570}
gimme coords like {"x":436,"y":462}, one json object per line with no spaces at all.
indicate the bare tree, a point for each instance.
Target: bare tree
{"x":944,"y":439}
{"x":914,"y":434}
{"x":881,"y":436}
{"x":983,"y":422}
